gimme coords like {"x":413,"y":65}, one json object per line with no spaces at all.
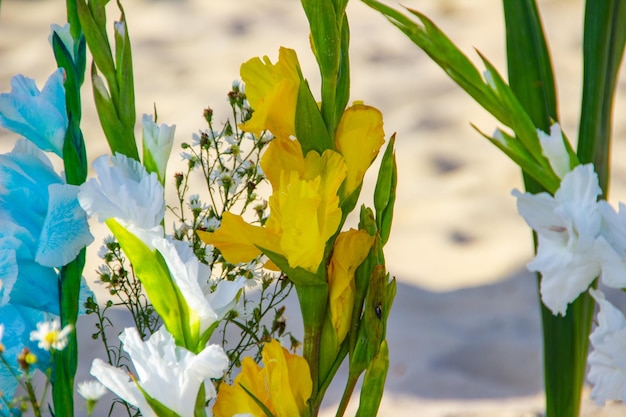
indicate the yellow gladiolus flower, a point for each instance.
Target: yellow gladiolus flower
{"x":304,"y":209}
{"x":283,"y":386}
{"x":358,"y":138}
{"x":272,"y":90}
{"x":351,"y":249}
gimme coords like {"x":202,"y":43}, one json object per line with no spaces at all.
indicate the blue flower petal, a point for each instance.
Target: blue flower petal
{"x":8,"y":274}
{"x":65,"y":230}
{"x":39,"y":117}
{"x":34,"y":279}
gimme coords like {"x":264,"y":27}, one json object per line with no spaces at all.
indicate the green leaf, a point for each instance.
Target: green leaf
{"x":326,"y":40}
{"x":565,"y":339}
{"x":74,"y":155}
{"x":343,"y":75}
{"x":440,"y":49}
{"x":119,"y":137}
{"x":371,"y":330}
{"x":124,"y":72}
{"x":512,"y":147}
{"x":298,"y":275}
{"x":258,"y":402}
{"x":72,"y":81}
{"x":603,"y":48}
{"x":154,"y":275}
{"x":520,"y":122}
{"x":385,"y":191}
{"x":310,"y":127}
{"x":529,"y":65}
{"x":374,"y":383}
{"x":66,"y":360}
{"x":93,"y":19}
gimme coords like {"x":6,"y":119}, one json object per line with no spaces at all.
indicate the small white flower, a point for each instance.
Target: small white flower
{"x":607,"y":361}
{"x":102,"y":252}
{"x":1,"y":332}
{"x":553,"y":146}
{"x":195,"y":203}
{"x":91,"y":390}
{"x":50,"y":336}
{"x":211,"y":224}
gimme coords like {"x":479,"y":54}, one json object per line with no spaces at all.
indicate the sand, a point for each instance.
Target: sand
{"x":464,"y":334}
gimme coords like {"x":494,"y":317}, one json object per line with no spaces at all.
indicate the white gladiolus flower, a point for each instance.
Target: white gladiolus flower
{"x":568,"y":225}
{"x":124,"y":191}
{"x":157,"y":145}
{"x":553,"y":146}
{"x":50,"y":335}
{"x":167,"y":373}
{"x":607,"y":370}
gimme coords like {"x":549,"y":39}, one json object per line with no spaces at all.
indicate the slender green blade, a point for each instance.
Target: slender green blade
{"x":531,"y":78}
{"x":603,"y":48}
{"x":124,"y":72}
{"x":529,"y":65}
{"x":162,"y":291}
{"x":67,"y":359}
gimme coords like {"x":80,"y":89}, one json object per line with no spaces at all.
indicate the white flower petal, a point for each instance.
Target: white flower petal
{"x":569,"y":225}
{"x":124,"y":191}
{"x":553,"y":147}
{"x":185,"y":269}
{"x":607,"y":362}
{"x":171,"y":374}
{"x":118,"y":381}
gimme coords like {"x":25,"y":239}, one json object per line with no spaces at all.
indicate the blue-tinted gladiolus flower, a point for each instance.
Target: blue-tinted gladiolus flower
{"x":43,"y":226}
{"x":39,"y":116}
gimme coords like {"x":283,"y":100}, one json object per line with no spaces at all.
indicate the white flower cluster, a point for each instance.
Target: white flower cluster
{"x":579,"y":240}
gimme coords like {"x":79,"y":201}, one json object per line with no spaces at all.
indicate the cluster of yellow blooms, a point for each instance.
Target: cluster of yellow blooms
{"x":307,"y":204}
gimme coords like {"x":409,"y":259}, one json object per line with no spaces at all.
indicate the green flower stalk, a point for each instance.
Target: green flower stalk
{"x":527,"y":106}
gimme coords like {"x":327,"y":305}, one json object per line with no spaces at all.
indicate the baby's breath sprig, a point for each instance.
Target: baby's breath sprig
{"x":226,"y":160}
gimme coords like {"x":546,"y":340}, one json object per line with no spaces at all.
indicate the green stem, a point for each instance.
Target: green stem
{"x":66,"y":360}
{"x":32,"y":397}
{"x":311,"y":352}
{"x":347,"y":394}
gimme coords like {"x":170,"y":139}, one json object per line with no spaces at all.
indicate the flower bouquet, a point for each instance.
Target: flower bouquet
{"x":280,"y":179}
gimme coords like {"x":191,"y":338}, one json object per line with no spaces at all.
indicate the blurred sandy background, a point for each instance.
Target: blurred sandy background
{"x":464,"y":332}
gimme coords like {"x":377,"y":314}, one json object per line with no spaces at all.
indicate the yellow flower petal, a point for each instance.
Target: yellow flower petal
{"x":350,"y":250}
{"x":284,"y":385}
{"x":331,"y":168}
{"x":288,"y":378}
{"x":238,"y":240}
{"x":272,"y":90}
{"x":358,"y":138}
{"x":232,"y":399}
{"x":282,"y":154}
